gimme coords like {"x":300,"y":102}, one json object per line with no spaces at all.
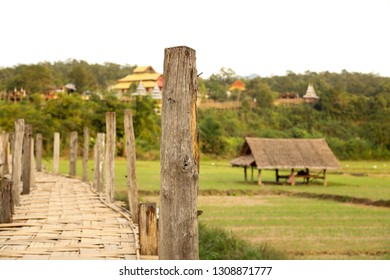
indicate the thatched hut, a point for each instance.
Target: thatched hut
{"x":291,"y":154}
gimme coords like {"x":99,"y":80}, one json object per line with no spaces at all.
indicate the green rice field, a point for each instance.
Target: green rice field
{"x":300,"y":227}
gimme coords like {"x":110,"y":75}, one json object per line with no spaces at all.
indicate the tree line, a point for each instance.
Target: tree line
{"x":352,"y":114}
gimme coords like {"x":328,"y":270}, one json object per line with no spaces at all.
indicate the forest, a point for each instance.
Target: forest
{"x":352,"y":113}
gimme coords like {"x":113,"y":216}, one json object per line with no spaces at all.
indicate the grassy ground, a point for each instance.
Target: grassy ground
{"x":301,"y":228}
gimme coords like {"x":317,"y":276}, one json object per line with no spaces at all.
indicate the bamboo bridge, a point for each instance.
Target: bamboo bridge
{"x":63,"y":218}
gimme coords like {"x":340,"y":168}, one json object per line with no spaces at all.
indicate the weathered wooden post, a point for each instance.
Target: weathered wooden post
{"x":6,"y":201}
{"x":17,"y":160}
{"x":148,"y":230}
{"x":85,"y":154}
{"x":132,"y":189}
{"x":39,"y":151}
{"x":99,"y":162}
{"x":259,"y":179}
{"x":56,"y":153}
{"x":26,"y":175}
{"x":4,"y":153}
{"x":110,"y":155}
{"x":179,"y":153}
{"x":32,"y":165}
{"x":73,"y":153}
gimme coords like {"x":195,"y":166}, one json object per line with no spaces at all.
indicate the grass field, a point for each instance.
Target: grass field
{"x":302,"y":228}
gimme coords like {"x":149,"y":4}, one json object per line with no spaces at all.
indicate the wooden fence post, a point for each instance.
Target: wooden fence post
{"x":32,"y":165}
{"x":39,"y":151}
{"x":6,"y":201}
{"x":4,"y":153}
{"x":147,"y":224}
{"x":17,"y":160}
{"x":27,"y":159}
{"x":131,"y":163}
{"x":73,"y":153}
{"x":56,"y":153}
{"x":99,"y":162}
{"x":110,"y":155}
{"x":179,"y":153}
{"x":85,"y":154}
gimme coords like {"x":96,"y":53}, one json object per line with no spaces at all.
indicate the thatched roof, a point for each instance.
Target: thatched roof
{"x":287,"y":153}
{"x":242,"y":161}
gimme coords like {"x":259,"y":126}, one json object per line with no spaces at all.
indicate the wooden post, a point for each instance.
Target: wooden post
{"x":39,"y":151}
{"x":131,"y":164}
{"x":32,"y":165}
{"x":2,"y":161}
{"x":292,"y":177}
{"x":245,"y":175}
{"x":259,"y":180}
{"x":27,"y":159}
{"x":110,"y":155}
{"x":85,"y":154}
{"x":4,"y":152}
{"x":325,"y":181}
{"x":147,"y":224}
{"x":99,"y":162}
{"x":277,"y":175}
{"x":56,"y":153}
{"x":252,"y":173}
{"x":73,"y":153}
{"x":17,"y":160}
{"x":179,"y":153}
{"x":6,"y":201}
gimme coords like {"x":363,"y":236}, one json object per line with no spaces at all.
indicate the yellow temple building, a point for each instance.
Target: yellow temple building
{"x":144,"y":75}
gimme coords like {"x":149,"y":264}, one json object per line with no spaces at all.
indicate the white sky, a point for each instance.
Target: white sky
{"x":266,"y":37}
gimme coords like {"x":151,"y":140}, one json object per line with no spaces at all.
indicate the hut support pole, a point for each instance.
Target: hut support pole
{"x":277,"y":175}
{"x":252,"y":173}
{"x":292,"y":177}
{"x":325,"y":182}
{"x":245,"y":174}
{"x":259,"y":181}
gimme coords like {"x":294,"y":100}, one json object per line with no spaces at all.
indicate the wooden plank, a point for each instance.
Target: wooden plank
{"x":179,"y":153}
{"x":132,"y":189}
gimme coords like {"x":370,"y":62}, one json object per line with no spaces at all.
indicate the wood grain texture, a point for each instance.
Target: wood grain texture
{"x":132,"y":188}
{"x":179,"y":153}
{"x":85,"y":154}
{"x":73,"y":153}
{"x":17,"y":159}
{"x":110,"y":155}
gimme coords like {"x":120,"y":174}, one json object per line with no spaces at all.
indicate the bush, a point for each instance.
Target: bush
{"x":218,"y":244}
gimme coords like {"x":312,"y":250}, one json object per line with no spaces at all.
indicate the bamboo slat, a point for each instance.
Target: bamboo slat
{"x":63,"y":219}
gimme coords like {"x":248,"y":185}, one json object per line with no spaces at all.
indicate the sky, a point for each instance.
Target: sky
{"x":263,"y":37}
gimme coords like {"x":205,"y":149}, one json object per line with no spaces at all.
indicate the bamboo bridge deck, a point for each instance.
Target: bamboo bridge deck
{"x":62,"y":218}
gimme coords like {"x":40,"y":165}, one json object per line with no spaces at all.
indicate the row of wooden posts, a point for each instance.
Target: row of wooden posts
{"x":24,"y":166}
{"x":177,"y":228}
